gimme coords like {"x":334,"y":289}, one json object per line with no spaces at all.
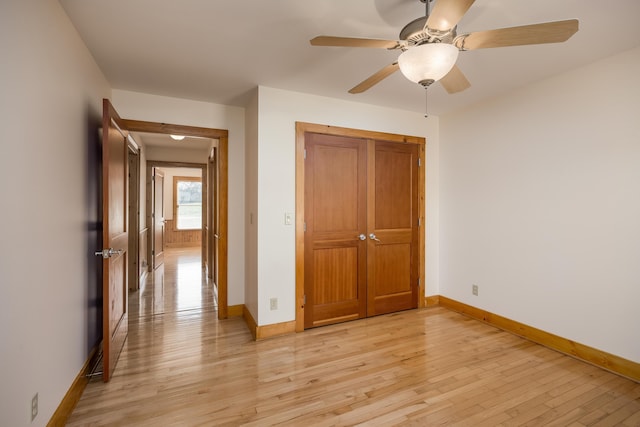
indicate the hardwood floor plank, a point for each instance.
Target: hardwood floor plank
{"x":183,"y":366}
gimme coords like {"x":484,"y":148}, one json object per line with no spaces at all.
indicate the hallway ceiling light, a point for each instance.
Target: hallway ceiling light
{"x":177,"y":137}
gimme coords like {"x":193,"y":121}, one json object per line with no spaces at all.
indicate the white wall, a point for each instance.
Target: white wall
{"x":251,"y":165}
{"x":540,"y":205}
{"x":278,"y":112}
{"x":166,"y":154}
{"x":154,"y":108}
{"x":51,"y":109}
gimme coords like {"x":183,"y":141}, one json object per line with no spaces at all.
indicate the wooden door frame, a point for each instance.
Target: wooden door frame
{"x":301,"y":129}
{"x":222,"y":135}
{"x":212,"y":196}
{"x":151,"y":177}
{"x":134,"y":216}
{"x":161,"y":164}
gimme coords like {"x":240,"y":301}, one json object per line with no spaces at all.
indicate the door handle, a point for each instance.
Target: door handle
{"x":362,"y":237}
{"x":373,"y":237}
{"x":108,"y":253}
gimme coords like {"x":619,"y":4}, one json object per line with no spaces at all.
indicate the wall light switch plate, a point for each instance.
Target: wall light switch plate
{"x":288,"y":218}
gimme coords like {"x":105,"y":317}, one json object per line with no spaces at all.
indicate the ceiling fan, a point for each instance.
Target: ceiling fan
{"x":430,"y":45}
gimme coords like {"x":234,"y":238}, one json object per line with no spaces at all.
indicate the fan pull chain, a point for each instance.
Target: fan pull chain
{"x":426,"y":103}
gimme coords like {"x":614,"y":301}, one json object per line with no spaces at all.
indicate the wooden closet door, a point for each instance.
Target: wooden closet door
{"x":335,"y":219}
{"x":393,"y":242}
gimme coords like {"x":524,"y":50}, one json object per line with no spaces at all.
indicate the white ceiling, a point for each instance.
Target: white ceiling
{"x":165,"y":141}
{"x":219,"y":50}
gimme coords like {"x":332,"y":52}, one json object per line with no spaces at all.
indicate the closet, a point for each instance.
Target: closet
{"x":362,"y":222}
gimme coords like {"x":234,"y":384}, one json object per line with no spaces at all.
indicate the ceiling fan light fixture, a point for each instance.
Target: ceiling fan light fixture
{"x":177,"y":137}
{"x":428,"y":63}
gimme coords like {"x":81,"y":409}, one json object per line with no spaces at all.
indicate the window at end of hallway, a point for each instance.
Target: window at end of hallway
{"x":187,"y":196}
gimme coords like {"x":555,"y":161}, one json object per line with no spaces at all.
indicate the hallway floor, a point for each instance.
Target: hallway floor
{"x":182,"y":367}
{"x":176,"y":285}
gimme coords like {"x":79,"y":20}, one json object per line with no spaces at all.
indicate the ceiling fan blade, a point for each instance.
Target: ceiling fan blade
{"x":455,"y":81}
{"x":548,"y":32}
{"x":375,"y":78}
{"x":447,"y":13}
{"x":353,"y":42}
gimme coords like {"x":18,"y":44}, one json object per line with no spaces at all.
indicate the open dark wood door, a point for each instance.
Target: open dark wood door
{"x":115,"y":237}
{"x":392,"y":255}
{"x":158,"y":218}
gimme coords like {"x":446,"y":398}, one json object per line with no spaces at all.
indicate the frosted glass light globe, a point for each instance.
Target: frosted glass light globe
{"x":428,"y":63}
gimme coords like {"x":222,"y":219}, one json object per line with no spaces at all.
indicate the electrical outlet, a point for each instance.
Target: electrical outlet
{"x":34,"y":407}
{"x":273,"y":303}
{"x":474,"y":290}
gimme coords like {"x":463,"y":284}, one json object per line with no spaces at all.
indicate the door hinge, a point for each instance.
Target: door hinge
{"x":419,"y":222}
{"x":418,"y":282}
{"x":305,"y":153}
{"x":304,"y":300}
{"x":304,"y":226}
{"x":153,"y":253}
{"x":419,"y":162}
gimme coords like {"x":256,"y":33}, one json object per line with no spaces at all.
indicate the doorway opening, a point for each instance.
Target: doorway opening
{"x":176,"y":212}
{"x":214,"y":180}
{"x":180,"y":216}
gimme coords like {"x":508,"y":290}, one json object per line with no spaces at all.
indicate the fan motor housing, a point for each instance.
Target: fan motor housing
{"x":416,"y":33}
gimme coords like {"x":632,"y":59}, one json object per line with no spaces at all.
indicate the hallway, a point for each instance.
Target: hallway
{"x":176,"y":285}
{"x":180,"y":366}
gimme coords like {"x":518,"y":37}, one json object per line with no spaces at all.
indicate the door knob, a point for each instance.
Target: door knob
{"x":373,"y":237}
{"x":108,"y":253}
{"x":362,"y":237}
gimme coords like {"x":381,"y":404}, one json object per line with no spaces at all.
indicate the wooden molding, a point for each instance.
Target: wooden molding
{"x":275,"y":330}
{"x":143,"y":265}
{"x":168,"y":128}
{"x":422,"y":153}
{"x":250,"y":321}
{"x":604,"y":360}
{"x":431,"y":300}
{"x":266,"y":331}
{"x":359,"y":133}
{"x":175,"y":238}
{"x":223,"y":225}
{"x":73,"y":395}
{"x":300,"y":225}
{"x":235,"y":310}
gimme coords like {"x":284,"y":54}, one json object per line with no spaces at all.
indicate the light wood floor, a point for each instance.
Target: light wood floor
{"x":178,"y":284}
{"x":421,"y":367}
